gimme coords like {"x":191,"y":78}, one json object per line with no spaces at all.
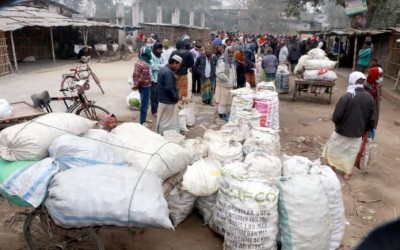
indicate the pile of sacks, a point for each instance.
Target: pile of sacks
{"x":316,"y":66}
{"x":61,"y":161}
{"x":282,"y":79}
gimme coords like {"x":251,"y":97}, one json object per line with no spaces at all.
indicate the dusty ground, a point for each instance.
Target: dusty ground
{"x":370,"y":198}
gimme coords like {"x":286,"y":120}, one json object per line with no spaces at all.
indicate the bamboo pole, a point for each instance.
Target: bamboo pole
{"x":355,"y":53}
{"x":52,"y":45}
{"x":13,"y":50}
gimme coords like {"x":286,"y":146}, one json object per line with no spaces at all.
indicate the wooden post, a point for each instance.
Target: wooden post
{"x":355,"y":53}
{"x":13,"y":50}
{"x":52,"y":45}
{"x":340,"y":47}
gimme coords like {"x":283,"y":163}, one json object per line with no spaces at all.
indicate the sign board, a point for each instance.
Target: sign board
{"x":355,"y":7}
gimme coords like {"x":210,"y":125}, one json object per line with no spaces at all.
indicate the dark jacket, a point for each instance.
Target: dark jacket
{"x":187,"y":58}
{"x":200,"y":66}
{"x":240,"y":74}
{"x":294,"y":53}
{"x":167,"y":88}
{"x":353,"y":116}
{"x":249,"y":59}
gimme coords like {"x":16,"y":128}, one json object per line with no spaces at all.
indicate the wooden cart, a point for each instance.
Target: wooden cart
{"x":22,"y":111}
{"x":314,"y":87}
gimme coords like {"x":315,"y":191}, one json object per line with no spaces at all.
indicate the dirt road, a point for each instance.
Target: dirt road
{"x":370,"y":199}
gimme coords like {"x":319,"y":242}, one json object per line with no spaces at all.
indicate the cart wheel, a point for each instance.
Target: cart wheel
{"x":40,"y":232}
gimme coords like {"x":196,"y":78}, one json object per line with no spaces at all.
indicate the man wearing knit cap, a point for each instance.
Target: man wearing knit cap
{"x":168,"y":96}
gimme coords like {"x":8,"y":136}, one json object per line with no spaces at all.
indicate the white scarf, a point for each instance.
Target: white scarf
{"x":353,"y":78}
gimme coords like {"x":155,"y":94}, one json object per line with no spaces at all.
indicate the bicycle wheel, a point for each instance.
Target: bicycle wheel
{"x":95,"y":55}
{"x":92,"y":112}
{"x":40,"y":232}
{"x":67,"y":83}
{"x":97,"y":81}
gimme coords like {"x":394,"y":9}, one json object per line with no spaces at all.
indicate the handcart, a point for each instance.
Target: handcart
{"x":22,"y":111}
{"x":313,"y":86}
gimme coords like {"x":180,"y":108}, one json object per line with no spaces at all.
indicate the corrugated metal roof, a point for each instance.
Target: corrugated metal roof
{"x":355,"y":32}
{"x":175,"y":25}
{"x":17,"y":17}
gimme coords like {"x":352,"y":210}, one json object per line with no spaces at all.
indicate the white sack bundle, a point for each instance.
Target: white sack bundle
{"x":218,"y":218}
{"x":226,"y":151}
{"x":71,"y":151}
{"x":240,"y":130}
{"x":301,"y":228}
{"x":316,"y":53}
{"x":219,"y":135}
{"x":333,"y":191}
{"x":31,"y":140}
{"x":198,"y":145}
{"x":262,"y":166}
{"x":267,"y":105}
{"x":97,"y":134}
{"x":250,"y":115}
{"x":320,"y":75}
{"x":263,"y":86}
{"x":173,"y":136}
{"x":5,"y":108}
{"x":251,"y":215}
{"x":182,"y":121}
{"x":148,"y":150}
{"x":201,"y":178}
{"x":300,"y":165}
{"x":30,"y":184}
{"x":269,"y":137}
{"x":205,"y":205}
{"x":180,"y":204}
{"x":136,"y":199}
{"x":314,"y":64}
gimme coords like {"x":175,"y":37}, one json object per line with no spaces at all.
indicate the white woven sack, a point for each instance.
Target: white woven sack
{"x":301,"y":228}
{"x":219,"y":135}
{"x":182,"y":121}
{"x":173,"y":136}
{"x":262,"y":166}
{"x":205,"y":205}
{"x":71,"y":151}
{"x":236,"y":170}
{"x":300,"y":165}
{"x":180,"y":204}
{"x":226,"y":151}
{"x":369,"y":156}
{"x":198,"y":145}
{"x":269,"y":137}
{"x":30,"y":184}
{"x":190,"y":114}
{"x":300,"y":66}
{"x":148,"y":150}
{"x":316,"y":53}
{"x":31,"y":140}
{"x":5,"y":108}
{"x":263,"y":86}
{"x":97,"y":134}
{"x":272,"y":112}
{"x":218,"y":218}
{"x":320,"y":75}
{"x":136,"y":199}
{"x":259,"y":145}
{"x":246,"y":114}
{"x":252,"y":219}
{"x":333,"y":191}
{"x":320,"y":64}
{"x":201,"y":178}
{"x":240,"y":130}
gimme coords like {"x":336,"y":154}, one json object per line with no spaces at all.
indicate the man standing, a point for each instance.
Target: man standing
{"x":167,"y":114}
{"x":206,"y":65}
{"x":182,"y":72}
{"x":156,"y":63}
{"x":353,"y":116}
{"x":167,"y":50}
{"x":364,"y":57}
{"x":283,"y":53}
{"x":196,"y":52}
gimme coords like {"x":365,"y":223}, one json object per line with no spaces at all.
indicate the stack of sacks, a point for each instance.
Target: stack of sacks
{"x":316,"y":66}
{"x":267,"y":105}
{"x":136,"y":198}
{"x":241,"y":99}
{"x":263,"y":140}
{"x":282,"y":79}
{"x":145,"y":149}
{"x":250,"y":220}
{"x":29,"y":141}
{"x":198,"y":145}
{"x":262,"y":86}
{"x":307,"y":184}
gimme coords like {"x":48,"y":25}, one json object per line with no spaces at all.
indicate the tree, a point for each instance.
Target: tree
{"x":359,"y":21}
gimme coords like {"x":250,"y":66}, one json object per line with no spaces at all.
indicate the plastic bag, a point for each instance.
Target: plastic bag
{"x":5,"y":108}
{"x":133,"y":100}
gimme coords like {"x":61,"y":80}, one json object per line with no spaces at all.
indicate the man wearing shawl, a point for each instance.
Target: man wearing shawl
{"x":353,"y":116}
{"x":206,"y":65}
{"x":226,"y":81}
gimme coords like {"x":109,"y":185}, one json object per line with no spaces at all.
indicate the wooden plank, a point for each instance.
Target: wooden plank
{"x":22,"y":110}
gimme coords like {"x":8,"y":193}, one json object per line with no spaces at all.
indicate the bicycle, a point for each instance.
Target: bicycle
{"x":81,"y":104}
{"x":82,"y":72}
